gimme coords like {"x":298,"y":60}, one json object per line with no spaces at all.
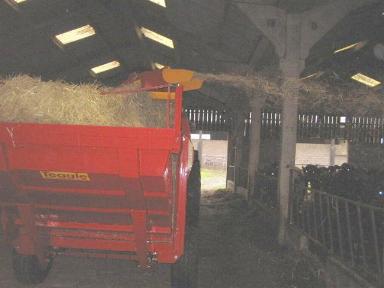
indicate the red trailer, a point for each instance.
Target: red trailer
{"x":117,"y":192}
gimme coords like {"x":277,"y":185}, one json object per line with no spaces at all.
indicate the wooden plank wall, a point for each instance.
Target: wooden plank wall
{"x":357,"y":129}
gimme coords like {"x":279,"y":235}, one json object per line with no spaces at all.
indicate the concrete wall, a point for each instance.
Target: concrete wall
{"x":368,"y":156}
{"x":321,"y":154}
{"x":213,"y":153}
{"x":306,"y":153}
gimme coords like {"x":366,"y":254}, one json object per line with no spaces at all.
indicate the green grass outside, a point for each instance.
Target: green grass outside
{"x":213,"y":179}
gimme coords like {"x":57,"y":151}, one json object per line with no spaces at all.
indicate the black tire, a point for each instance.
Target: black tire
{"x":28,"y":270}
{"x":184,"y":273}
{"x":194,"y":194}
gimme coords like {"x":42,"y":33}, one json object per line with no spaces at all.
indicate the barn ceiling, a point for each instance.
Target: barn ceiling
{"x":208,"y":36}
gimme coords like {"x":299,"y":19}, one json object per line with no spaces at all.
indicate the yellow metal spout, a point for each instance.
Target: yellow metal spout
{"x":177,"y":76}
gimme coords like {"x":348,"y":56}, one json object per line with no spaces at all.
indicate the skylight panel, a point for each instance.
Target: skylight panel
{"x":15,"y":3}
{"x":105,"y":67}
{"x":159,"y":2}
{"x":357,"y":45}
{"x":366,"y":80}
{"x":75,"y":34}
{"x":158,"y":65}
{"x":154,"y":36}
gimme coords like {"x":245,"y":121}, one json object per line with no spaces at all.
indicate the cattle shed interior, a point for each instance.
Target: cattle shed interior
{"x":288,"y":126}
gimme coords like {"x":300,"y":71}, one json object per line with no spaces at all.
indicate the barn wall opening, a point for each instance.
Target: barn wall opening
{"x":213,"y":151}
{"x":322,"y":154}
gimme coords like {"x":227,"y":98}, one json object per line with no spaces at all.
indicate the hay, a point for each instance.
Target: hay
{"x":314,"y":95}
{"x":27,"y":99}
{"x":248,"y":82}
{"x":348,"y":99}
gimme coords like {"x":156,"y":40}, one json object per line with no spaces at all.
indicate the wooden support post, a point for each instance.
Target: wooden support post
{"x":287,"y":159}
{"x":291,"y":66}
{"x":254,"y":144}
{"x":238,"y":141}
{"x":231,"y":158}
{"x":293,"y":36}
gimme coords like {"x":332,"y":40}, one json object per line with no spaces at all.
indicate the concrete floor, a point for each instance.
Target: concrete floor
{"x":68,"y":272}
{"x":237,"y":249}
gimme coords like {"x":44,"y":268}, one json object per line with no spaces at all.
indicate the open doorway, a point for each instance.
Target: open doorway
{"x":213,"y":150}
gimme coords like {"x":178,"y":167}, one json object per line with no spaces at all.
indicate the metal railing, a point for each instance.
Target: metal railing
{"x":238,"y":175}
{"x":350,"y":231}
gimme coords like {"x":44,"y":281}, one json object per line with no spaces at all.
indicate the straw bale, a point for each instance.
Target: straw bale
{"x":27,"y":99}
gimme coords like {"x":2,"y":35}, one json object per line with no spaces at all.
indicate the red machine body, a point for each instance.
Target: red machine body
{"x":97,"y":191}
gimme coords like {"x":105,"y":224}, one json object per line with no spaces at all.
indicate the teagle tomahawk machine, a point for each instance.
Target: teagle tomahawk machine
{"x":97,"y":191}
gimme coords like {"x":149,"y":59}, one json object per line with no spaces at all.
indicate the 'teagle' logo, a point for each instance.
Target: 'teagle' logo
{"x":70,"y":176}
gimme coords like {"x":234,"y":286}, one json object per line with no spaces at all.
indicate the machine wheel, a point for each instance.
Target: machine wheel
{"x":28,"y":269}
{"x":194,"y":194}
{"x":184,"y":273}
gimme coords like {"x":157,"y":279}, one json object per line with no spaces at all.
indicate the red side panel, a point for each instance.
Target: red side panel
{"x":99,"y":188}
